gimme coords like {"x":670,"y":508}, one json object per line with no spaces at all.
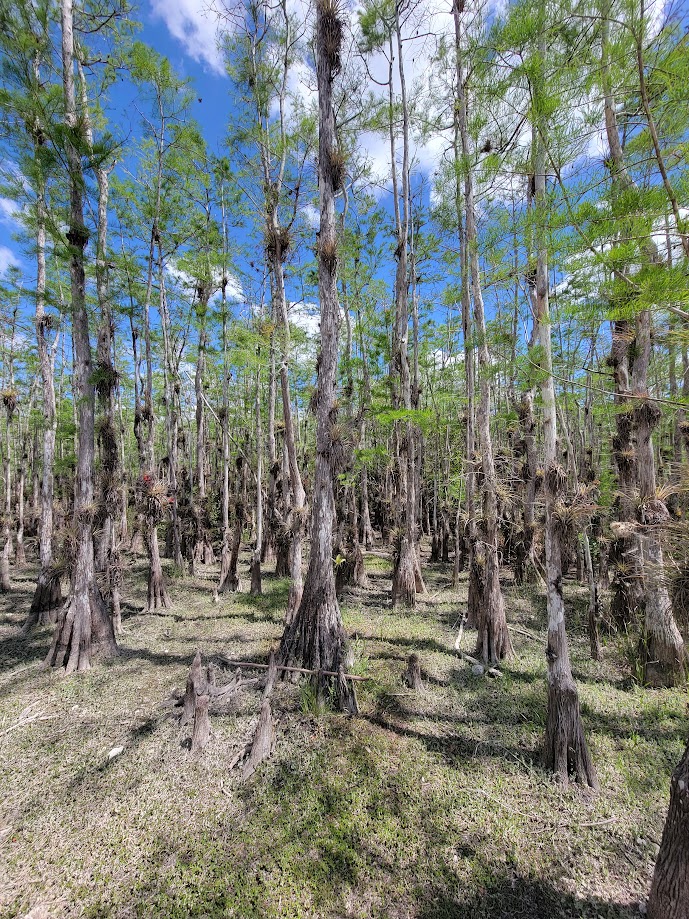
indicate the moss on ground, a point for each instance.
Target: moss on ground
{"x":429,"y":805}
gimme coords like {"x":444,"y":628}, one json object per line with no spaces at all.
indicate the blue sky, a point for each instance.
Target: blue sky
{"x":192,"y":55}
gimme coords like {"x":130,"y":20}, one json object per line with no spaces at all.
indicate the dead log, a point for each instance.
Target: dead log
{"x":202,"y":726}
{"x":412,"y":675}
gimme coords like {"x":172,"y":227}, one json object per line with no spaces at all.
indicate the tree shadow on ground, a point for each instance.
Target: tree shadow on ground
{"x":513,"y":897}
{"x":412,"y":644}
{"x":23,"y":650}
{"x":453,"y":748}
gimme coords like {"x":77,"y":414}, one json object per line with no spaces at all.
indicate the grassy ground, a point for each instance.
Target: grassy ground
{"x":429,"y":805}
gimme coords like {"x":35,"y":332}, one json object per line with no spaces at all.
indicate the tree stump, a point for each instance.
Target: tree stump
{"x":197,"y":685}
{"x":202,"y":727}
{"x":263,"y":742}
{"x":412,"y":675}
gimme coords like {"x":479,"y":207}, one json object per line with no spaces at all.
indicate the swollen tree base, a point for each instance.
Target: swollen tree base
{"x":157,"y":592}
{"x":316,"y":640}
{"x":669,"y":897}
{"x":5,"y":583}
{"x":493,"y":642}
{"x":407,"y":579}
{"x":282,"y":553}
{"x":229,"y":580}
{"x":663,"y":656}
{"x":84,"y":631}
{"x":255,"y":573}
{"x":351,"y":572}
{"x":566,"y":754}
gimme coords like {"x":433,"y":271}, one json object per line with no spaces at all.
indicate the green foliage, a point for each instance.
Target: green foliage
{"x":312,"y":701}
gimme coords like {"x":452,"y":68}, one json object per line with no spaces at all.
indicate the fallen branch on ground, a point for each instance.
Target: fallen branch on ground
{"x":252,"y":664}
{"x":515,"y":628}
{"x":27,"y":717}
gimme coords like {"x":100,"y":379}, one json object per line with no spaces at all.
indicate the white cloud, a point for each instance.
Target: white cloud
{"x":656,"y":10}
{"x":306,"y":316}
{"x":234,"y":290}
{"x":312,"y":216}
{"x":441,"y":358}
{"x":662,"y":235}
{"x":195,"y":26}
{"x":9,"y":210}
{"x":7,"y":258}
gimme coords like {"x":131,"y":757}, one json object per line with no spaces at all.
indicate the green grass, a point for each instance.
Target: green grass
{"x":428,"y":805}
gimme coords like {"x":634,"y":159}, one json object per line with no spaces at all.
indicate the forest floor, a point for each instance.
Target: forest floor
{"x":428,"y":805}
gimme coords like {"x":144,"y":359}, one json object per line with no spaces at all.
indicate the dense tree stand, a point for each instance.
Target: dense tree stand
{"x":669,"y":897}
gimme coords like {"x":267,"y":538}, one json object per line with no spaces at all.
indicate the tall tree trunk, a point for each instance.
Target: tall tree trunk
{"x":172,"y":390}
{"x":5,"y":583}
{"x":493,"y":638}
{"x":84,"y":626}
{"x":468,"y":534}
{"x":229,"y":579}
{"x":315,"y":638}
{"x":638,"y":550}
{"x":269,"y":537}
{"x":19,"y":551}
{"x":407,"y":579}
{"x":157,"y":592}
{"x":256,"y":587}
{"x":203,"y":550}
{"x":48,"y":595}
{"x":566,"y":751}
{"x":108,"y":558}
{"x":663,"y":655}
